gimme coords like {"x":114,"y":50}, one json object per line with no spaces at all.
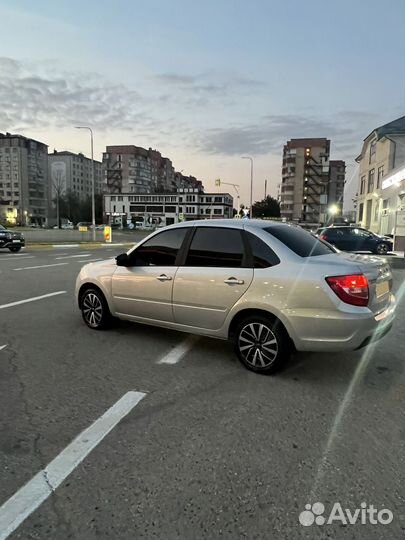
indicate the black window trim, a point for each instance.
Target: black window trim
{"x":190,"y":239}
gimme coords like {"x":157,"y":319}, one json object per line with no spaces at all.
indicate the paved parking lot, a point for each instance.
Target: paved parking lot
{"x":208,"y":450}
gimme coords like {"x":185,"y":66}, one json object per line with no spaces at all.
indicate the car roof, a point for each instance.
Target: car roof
{"x":232,"y":223}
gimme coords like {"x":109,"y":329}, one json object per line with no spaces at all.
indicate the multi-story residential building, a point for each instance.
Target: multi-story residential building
{"x":167,"y":208}
{"x":72,"y":172}
{"x":383,"y":151}
{"x":336,"y":184}
{"x":23,"y":179}
{"x":132,"y":169}
{"x":305,"y":180}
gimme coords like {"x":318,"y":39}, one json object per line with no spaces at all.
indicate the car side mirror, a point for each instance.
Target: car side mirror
{"x":122,"y":259}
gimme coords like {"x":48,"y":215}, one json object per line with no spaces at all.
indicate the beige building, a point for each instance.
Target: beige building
{"x":72,"y":172}
{"x":310,"y":182}
{"x":24,"y":186}
{"x":383,"y":151}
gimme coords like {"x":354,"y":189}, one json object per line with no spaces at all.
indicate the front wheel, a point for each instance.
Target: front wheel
{"x":15,"y":249}
{"x":95,"y":310}
{"x":262,"y":344}
{"x":381,"y":249}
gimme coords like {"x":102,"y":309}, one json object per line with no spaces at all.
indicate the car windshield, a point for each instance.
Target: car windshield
{"x":301,"y":242}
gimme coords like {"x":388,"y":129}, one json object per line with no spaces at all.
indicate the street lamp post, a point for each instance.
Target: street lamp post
{"x":93,"y":201}
{"x":251,"y":183}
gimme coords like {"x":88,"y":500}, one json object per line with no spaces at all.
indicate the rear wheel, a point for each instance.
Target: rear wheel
{"x":15,"y":249}
{"x":262,"y":344}
{"x":381,"y":249}
{"x":95,"y":310}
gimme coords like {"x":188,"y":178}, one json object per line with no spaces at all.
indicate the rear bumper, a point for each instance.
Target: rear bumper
{"x":340,"y":331}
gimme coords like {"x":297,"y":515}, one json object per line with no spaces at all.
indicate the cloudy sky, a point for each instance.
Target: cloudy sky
{"x":203,"y":82}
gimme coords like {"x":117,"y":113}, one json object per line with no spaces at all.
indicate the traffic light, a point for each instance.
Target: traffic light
{"x":218,"y":182}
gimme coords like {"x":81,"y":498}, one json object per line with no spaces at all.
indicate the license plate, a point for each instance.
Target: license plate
{"x":16,"y":241}
{"x":382,"y":288}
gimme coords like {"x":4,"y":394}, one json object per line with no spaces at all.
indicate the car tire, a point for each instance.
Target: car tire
{"x":381,"y":249}
{"x":94,"y":308}
{"x":15,"y":249}
{"x":262,"y":344}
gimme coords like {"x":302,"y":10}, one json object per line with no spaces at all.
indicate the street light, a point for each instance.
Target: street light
{"x":251,"y":183}
{"x":93,"y":201}
{"x":333,"y":209}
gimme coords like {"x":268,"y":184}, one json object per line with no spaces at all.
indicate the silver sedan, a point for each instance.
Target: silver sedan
{"x":268,"y":286}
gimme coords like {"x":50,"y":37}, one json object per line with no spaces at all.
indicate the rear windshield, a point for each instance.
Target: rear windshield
{"x":299,"y":241}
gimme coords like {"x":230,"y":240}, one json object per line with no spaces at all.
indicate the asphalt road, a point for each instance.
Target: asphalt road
{"x":212,"y":450}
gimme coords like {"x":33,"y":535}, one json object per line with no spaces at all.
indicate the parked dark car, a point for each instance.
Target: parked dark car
{"x":355,"y":239}
{"x":12,"y":240}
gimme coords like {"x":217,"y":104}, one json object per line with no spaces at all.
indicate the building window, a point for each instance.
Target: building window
{"x":376,"y":210}
{"x":361,"y":207}
{"x":373,"y":146}
{"x":380,"y":174}
{"x":370,"y":184}
{"x":217,"y":211}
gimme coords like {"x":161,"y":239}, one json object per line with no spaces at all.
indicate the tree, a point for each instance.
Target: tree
{"x":268,"y":207}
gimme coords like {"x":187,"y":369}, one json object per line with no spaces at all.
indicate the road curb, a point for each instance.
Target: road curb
{"x":85,"y":245}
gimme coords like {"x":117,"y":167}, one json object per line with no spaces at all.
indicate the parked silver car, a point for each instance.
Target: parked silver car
{"x":268,"y":286}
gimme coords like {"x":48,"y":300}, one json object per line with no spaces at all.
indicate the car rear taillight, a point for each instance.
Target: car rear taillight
{"x":352,"y":289}
{"x":323,"y":237}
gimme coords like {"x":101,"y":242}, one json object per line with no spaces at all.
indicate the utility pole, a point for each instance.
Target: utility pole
{"x":265,"y":188}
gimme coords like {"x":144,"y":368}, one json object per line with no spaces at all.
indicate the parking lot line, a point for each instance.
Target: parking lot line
{"x":37,"y":490}
{"x":40,"y":266}
{"x":2,"y":347}
{"x":176,"y":354}
{"x":33,"y":299}
{"x":7,"y":257}
{"x":73,"y":256}
{"x":89,"y":260}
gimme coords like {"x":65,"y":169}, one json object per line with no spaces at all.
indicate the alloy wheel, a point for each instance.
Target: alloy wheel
{"x":258,"y":345}
{"x":92,"y":309}
{"x":382,"y":249}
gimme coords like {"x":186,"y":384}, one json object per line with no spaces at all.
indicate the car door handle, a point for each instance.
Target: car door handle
{"x":163,"y":277}
{"x":234,"y":281}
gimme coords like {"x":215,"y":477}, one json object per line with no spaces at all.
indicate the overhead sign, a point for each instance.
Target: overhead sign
{"x":394,"y":180}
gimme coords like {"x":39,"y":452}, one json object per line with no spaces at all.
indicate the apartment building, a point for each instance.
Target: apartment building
{"x":132,"y":169}
{"x":305,"y":180}
{"x":336,"y":184}
{"x":382,"y":153}
{"x":24,"y":189}
{"x":68,"y":171}
{"x":167,"y":208}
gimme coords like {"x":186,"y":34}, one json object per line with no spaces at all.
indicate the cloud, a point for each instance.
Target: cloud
{"x":272,"y":131}
{"x":31,"y":98}
{"x":212,"y":83}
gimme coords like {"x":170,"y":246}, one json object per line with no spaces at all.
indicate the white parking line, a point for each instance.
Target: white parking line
{"x":33,"y":299}
{"x":37,"y":490}
{"x":73,"y":256}
{"x":40,"y":266}
{"x":8,"y":257}
{"x":63,"y":246}
{"x":2,"y":347}
{"x":89,"y":260}
{"x":176,"y":354}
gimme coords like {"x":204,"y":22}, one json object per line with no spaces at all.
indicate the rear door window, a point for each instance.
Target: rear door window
{"x":299,"y":241}
{"x":216,"y":247}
